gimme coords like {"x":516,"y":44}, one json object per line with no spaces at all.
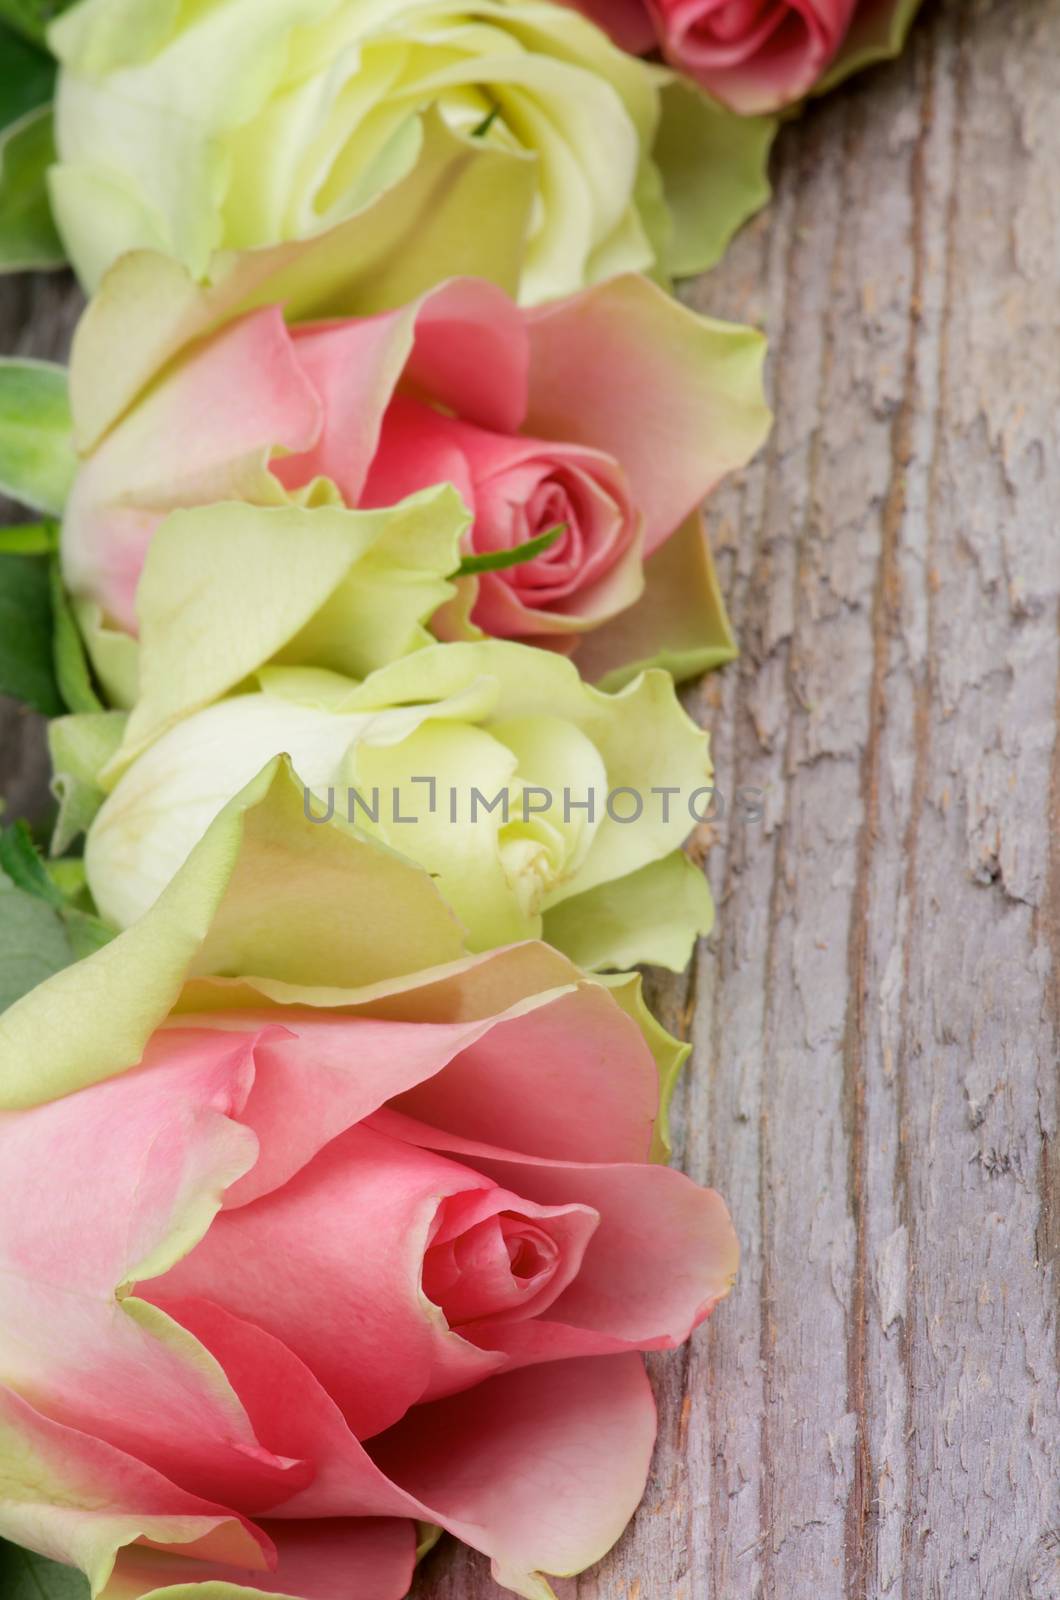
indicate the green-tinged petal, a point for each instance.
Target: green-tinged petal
{"x":68,"y":650}
{"x":452,"y":621}
{"x":494,"y":765}
{"x":265,"y":891}
{"x":80,"y":748}
{"x":461,"y":854}
{"x":700,"y":411}
{"x":654,"y":915}
{"x":37,"y":460}
{"x":380,"y":609}
{"x":89,"y":207}
{"x":28,"y":240}
{"x":150,"y":307}
{"x":679,"y":623}
{"x":161,"y":136}
{"x":362,"y":1558}
{"x":877,"y":33}
{"x":325,"y":586}
{"x":100,"y":35}
{"x":115,"y":656}
{"x":471,"y":988}
{"x":644,"y":736}
{"x":714,"y":167}
{"x":670,"y":1053}
{"x":319,"y":904}
{"x":120,"y":1589}
{"x":79,"y":1500}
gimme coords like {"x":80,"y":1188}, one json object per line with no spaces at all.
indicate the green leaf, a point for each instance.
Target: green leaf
{"x":27,"y":1576}
{"x":41,"y":932}
{"x":27,"y":74}
{"x":37,"y":459}
{"x":28,"y":238}
{"x":496,"y":560}
{"x":29,"y":539}
{"x":33,"y":946}
{"x":42,"y":658}
{"x":26,"y":670}
{"x":68,"y":651}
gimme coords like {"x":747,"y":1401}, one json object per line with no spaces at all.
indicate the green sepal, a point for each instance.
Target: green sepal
{"x":497,"y":560}
{"x":877,"y":33}
{"x":80,"y":747}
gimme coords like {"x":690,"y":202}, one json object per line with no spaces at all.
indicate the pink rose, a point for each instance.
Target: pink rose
{"x":757,"y":55}
{"x":314,"y":1271}
{"x":601,"y":420}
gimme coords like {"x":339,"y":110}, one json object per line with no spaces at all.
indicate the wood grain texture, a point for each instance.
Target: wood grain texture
{"x":876,"y":1021}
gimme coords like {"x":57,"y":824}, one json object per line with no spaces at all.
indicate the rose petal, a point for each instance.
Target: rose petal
{"x":528,"y":1053}
{"x":573,"y":1077}
{"x":628,"y":22}
{"x":541,"y":1469}
{"x":341,"y":1247}
{"x":462,"y":345}
{"x":754,"y":59}
{"x":662,"y":1257}
{"x":203,"y":434}
{"x":63,"y":1490}
{"x":675,"y":397}
{"x":679,"y":622}
{"x":364,"y":1558}
{"x":293,"y":1415}
{"x":113,"y":1184}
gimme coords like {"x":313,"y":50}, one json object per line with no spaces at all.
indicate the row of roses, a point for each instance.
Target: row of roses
{"x":341,"y":1209}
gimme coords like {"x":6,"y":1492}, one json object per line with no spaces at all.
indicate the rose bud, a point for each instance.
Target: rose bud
{"x":582,"y":438}
{"x":759,"y":55}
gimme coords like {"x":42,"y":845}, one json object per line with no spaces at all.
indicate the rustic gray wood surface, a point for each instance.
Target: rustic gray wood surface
{"x":876,"y":1020}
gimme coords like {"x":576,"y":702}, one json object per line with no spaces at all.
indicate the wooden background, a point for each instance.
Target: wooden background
{"x":876,"y":1020}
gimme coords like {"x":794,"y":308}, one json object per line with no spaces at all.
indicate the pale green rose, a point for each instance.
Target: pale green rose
{"x":243,"y":123}
{"x":535,"y":801}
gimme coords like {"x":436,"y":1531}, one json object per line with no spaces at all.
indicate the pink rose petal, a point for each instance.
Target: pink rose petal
{"x":541,"y":1469}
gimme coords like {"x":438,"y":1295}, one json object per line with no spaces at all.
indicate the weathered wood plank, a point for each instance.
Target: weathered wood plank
{"x":876,"y":1021}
